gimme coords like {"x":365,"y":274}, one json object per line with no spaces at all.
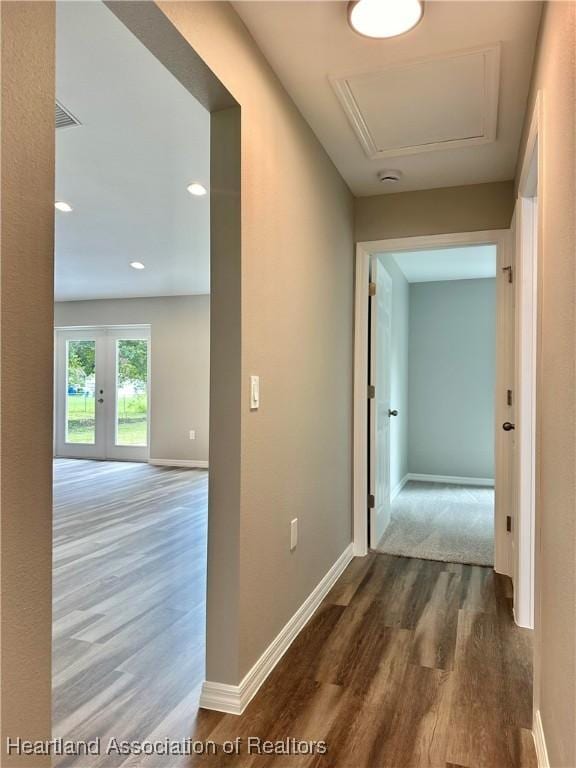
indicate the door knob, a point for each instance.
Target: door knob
{"x":100,"y":399}
{"x":508,"y":427}
{"x":392,"y":413}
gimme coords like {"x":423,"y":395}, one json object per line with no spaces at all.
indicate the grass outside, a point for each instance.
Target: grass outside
{"x":132,"y":419}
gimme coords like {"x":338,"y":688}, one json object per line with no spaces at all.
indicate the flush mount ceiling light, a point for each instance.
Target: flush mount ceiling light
{"x":60,"y":205}
{"x":384,"y":18}
{"x":196,"y":189}
{"x":137,"y":265}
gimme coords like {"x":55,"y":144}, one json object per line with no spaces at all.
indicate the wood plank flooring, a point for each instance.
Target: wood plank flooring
{"x":407,"y":663}
{"x":128,"y":598}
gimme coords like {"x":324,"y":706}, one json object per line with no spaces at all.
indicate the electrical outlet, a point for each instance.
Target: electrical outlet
{"x":293,"y":534}
{"x":192,"y":434}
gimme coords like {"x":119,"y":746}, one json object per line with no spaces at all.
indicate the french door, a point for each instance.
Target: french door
{"x":102,"y":393}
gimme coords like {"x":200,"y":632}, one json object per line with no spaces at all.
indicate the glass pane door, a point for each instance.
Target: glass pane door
{"x":102,"y":393}
{"x":81,"y":392}
{"x":80,"y":423}
{"x":131,"y":423}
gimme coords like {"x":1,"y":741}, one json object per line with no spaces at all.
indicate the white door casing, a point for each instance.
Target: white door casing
{"x":380,"y":406}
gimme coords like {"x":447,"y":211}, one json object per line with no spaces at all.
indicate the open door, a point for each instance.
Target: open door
{"x":380,"y":406}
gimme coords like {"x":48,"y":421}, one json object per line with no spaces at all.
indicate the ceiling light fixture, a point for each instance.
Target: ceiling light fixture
{"x":137,"y":265}
{"x":60,"y":205}
{"x":384,"y":18}
{"x":196,"y":189}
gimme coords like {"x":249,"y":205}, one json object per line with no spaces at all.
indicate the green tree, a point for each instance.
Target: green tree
{"x":132,"y":362}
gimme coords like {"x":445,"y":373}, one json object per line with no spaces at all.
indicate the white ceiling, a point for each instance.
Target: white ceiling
{"x":309,"y":45}
{"x":468,"y":263}
{"x":143,"y":139}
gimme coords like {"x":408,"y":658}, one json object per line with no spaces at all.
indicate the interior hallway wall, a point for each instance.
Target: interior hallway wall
{"x":452,"y":371}
{"x":26,"y":353}
{"x":400,"y":324}
{"x":555,"y":635}
{"x":296,"y":334}
{"x":435,"y":211}
{"x":180,"y":364}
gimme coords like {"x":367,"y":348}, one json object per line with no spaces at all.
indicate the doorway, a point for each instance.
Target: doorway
{"x":434,"y":365}
{"x":478,"y":487}
{"x":102,"y":393}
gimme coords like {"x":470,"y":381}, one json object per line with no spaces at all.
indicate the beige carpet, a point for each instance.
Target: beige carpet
{"x":433,"y":521}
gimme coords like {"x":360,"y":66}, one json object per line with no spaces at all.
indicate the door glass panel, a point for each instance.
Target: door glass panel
{"x":80,"y":389}
{"x":131,"y":392}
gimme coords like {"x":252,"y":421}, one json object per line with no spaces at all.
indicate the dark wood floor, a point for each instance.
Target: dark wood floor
{"x":407,"y":663}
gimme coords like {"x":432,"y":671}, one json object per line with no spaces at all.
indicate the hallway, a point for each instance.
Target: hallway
{"x":406,"y":663}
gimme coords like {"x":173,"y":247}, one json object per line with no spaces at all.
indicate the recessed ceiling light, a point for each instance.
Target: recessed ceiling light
{"x":60,"y":205}
{"x":384,"y":18}
{"x":137,"y":265}
{"x":196,"y":189}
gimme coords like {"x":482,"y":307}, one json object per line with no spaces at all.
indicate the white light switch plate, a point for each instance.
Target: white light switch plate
{"x":192,"y":434}
{"x":254,"y":393}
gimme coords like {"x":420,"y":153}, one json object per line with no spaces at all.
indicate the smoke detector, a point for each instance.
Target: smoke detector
{"x":389,"y":177}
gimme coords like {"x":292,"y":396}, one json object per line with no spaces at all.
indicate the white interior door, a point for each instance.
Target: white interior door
{"x":102,"y":393}
{"x":380,"y":405}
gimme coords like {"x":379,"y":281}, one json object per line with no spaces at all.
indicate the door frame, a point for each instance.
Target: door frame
{"x":502,"y":239}
{"x":528,"y":215}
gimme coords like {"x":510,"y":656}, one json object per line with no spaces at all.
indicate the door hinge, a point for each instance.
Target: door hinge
{"x":508,"y":397}
{"x":371,"y":501}
{"x":371,"y":289}
{"x":508,"y":523}
{"x":509,"y":270}
{"x":371,"y":391}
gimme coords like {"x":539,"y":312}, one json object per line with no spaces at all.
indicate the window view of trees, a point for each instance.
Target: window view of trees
{"x":131,"y":392}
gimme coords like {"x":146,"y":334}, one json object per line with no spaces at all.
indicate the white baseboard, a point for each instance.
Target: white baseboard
{"x":233,"y":699}
{"x":396,"y":490}
{"x":193,"y":463}
{"x":452,"y":479}
{"x":540,"y":741}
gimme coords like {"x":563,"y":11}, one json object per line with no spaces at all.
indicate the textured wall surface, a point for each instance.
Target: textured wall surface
{"x":26,"y":321}
{"x":452,"y":362}
{"x":555,"y":642}
{"x":180,"y":364}
{"x":435,"y":211}
{"x":296,"y":334}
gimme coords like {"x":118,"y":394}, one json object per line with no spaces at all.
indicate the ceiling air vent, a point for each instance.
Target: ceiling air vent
{"x":64,"y":119}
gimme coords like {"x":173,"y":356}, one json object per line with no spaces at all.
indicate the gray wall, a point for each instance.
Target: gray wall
{"x":26,"y":354}
{"x":555,"y":613}
{"x":296,"y":333}
{"x":180,"y":364}
{"x":399,"y":374}
{"x":452,"y":359}
{"x":435,"y":211}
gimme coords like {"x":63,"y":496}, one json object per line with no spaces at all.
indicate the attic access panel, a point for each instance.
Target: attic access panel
{"x":425,"y":105}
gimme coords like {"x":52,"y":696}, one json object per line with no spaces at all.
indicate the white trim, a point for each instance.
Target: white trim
{"x":361,"y":402}
{"x":396,"y":490}
{"x":364,"y":250}
{"x":234,"y":699}
{"x":528,"y":212}
{"x":345,"y":95}
{"x":451,"y":479}
{"x":540,"y":741}
{"x":194,"y":463}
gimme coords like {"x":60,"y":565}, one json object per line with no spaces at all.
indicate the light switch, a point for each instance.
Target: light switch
{"x":293,"y":534}
{"x":254,"y":393}
{"x":192,"y":434}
